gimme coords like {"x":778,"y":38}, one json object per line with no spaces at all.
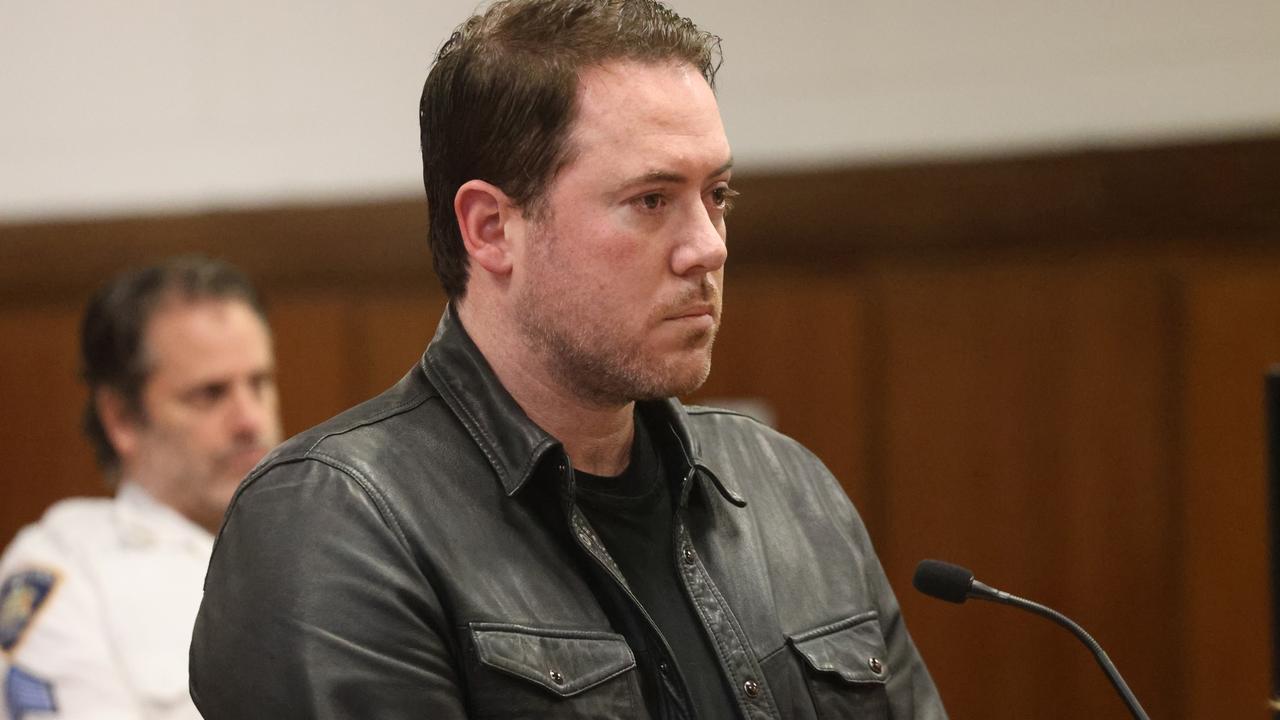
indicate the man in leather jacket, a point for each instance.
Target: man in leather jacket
{"x":528,"y":525}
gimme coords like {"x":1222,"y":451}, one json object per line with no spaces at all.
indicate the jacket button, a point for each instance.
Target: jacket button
{"x":556,"y":677}
{"x":877,"y":667}
{"x":751,"y":688}
{"x":688,"y":555}
{"x":663,"y":668}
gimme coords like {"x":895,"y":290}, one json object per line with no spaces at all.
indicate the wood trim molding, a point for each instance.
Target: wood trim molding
{"x":1222,"y":190}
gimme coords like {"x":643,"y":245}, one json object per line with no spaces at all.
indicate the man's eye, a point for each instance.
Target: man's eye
{"x":722,"y":197}
{"x":263,"y":381}
{"x":208,"y":395}
{"x":652,"y":201}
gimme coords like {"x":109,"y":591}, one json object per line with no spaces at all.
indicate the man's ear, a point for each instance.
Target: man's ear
{"x":484,"y":213}
{"x":120,"y":421}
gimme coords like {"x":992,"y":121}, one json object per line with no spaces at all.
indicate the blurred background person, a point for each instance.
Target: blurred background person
{"x":97,"y":599}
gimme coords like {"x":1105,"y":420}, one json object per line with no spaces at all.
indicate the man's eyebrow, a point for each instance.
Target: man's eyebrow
{"x":669,"y":176}
{"x":722,"y":169}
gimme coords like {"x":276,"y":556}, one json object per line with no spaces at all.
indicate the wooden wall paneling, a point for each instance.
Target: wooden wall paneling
{"x":1120,"y":485}
{"x":46,"y":457}
{"x":1232,"y":337}
{"x":816,"y":219}
{"x":317,"y":356}
{"x":396,"y":330}
{"x":1078,"y":199}
{"x":360,"y":244}
{"x":956,"y":411}
{"x":1025,"y":439}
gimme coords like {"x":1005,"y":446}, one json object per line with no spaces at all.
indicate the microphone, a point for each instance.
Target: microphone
{"x":955,"y":584}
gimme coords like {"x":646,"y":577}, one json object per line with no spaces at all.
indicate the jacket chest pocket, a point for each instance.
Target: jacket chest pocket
{"x":517,"y":671}
{"x":846,"y":667}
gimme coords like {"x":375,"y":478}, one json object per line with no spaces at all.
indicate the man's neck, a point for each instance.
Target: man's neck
{"x":210,"y":522}
{"x":596,"y":437}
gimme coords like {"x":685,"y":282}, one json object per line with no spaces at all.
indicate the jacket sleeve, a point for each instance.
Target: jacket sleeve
{"x":314,"y":607}
{"x":57,"y":655}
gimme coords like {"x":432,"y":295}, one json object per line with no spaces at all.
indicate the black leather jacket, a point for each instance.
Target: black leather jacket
{"x":420,"y":556}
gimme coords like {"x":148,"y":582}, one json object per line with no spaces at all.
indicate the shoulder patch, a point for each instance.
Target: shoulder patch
{"x":21,"y":596}
{"x":25,"y":693}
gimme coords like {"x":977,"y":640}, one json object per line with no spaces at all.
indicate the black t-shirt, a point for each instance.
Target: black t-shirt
{"x":634,"y":515}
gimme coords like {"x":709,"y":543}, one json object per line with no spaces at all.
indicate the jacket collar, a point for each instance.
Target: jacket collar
{"x":513,"y":444}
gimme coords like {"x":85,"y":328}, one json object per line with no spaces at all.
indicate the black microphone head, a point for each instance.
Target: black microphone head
{"x":943,"y":580}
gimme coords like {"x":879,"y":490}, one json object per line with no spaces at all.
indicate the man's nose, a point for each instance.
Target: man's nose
{"x":702,"y":249}
{"x":250,"y":410}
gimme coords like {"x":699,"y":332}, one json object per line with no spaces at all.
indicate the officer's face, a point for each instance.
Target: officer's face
{"x":620,"y":280}
{"x":209,"y":410}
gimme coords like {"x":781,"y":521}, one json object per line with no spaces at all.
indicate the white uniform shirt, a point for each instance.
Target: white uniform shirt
{"x":97,"y":602}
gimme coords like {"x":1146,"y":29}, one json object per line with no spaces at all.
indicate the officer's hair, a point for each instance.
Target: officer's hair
{"x":113,"y":331}
{"x":501,"y":97}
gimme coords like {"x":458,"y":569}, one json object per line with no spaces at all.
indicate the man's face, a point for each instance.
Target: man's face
{"x":619,"y":279}
{"x":208,"y":408}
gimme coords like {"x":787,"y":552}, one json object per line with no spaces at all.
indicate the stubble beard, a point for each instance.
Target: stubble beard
{"x":589,"y":361}
{"x":598,"y":363}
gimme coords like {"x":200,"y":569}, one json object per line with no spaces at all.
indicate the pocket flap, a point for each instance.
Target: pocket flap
{"x":853,"y":648}
{"x":566,"y":662}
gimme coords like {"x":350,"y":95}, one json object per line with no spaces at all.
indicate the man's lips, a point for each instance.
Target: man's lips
{"x":694,"y":311}
{"x":245,"y":458}
{"x":699,"y":318}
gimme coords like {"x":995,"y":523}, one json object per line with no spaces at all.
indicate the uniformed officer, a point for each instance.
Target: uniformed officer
{"x":97,"y":599}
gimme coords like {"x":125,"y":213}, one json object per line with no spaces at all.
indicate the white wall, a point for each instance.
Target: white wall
{"x":120,"y":106}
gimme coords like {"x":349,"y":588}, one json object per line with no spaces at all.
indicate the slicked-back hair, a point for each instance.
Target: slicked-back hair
{"x":500,"y":100}
{"x":113,"y":331}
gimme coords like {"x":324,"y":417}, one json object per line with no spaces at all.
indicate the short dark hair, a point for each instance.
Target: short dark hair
{"x":501,"y":97}
{"x":114,"y":328}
